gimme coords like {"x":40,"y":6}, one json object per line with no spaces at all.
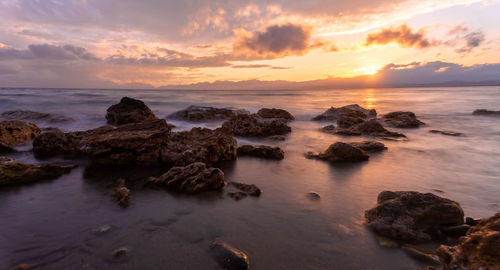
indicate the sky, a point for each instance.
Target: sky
{"x":242,"y":44}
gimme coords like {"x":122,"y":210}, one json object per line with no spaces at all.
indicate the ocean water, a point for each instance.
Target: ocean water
{"x":50,"y":224}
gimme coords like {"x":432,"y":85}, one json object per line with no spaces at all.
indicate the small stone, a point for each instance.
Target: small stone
{"x":121,"y":254}
{"x":251,"y":190}
{"x":446,"y":132}
{"x":313,"y":196}
{"x":229,"y":257}
{"x":102,"y":229}
{"x":237,"y":195}
{"x":261,"y":151}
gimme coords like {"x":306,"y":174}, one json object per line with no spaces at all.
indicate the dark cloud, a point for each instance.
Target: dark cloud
{"x":402,"y":35}
{"x":472,"y":40}
{"x":275,"y":40}
{"x":47,"y":52}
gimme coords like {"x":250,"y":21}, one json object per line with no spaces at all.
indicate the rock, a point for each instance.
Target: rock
{"x":313,"y":196}
{"x":387,"y":242}
{"x":353,"y":111}
{"x":370,"y":146}
{"x":229,"y":257}
{"x":479,"y":249}
{"x":27,"y":115}
{"x":409,"y":215}
{"x":193,"y":178}
{"x":428,"y":268}
{"x":251,"y":190}
{"x":401,"y":119}
{"x":456,"y":231}
{"x":421,"y":254}
{"x":237,"y":195}
{"x":102,"y":229}
{"x":149,"y":143}
{"x":275,"y":113}
{"x":277,"y":138}
{"x":345,"y":121}
{"x":256,"y":126}
{"x":446,"y":132}
{"x":261,"y":151}
{"x":472,"y":221}
{"x":121,"y":193}
{"x":5,"y":148}
{"x":17,"y":132}
{"x":13,"y":172}
{"x":200,"y":113}
{"x":23,"y":266}
{"x":371,"y":127}
{"x":128,"y":111}
{"x":341,"y":152}
{"x":486,"y":112}
{"x":121,"y":254}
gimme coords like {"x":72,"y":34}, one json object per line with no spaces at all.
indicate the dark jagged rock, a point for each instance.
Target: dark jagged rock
{"x":486,"y":112}
{"x":370,"y":146}
{"x":331,"y":129}
{"x":402,"y":120}
{"x":27,"y":115}
{"x":128,"y":111}
{"x":229,"y":257}
{"x":479,"y":249}
{"x":200,"y":113}
{"x":275,"y":113}
{"x":14,"y":173}
{"x":237,"y":195}
{"x":251,"y":190}
{"x":256,"y":126}
{"x":121,"y":193}
{"x":446,"y":132}
{"x":148,"y":143}
{"x":409,"y":215}
{"x":345,"y":121}
{"x":371,"y":127}
{"x":313,"y":196}
{"x":472,"y":221}
{"x":193,"y":178}
{"x":262,"y":151}
{"x":13,"y":132}
{"x":341,"y":152}
{"x":5,"y":148}
{"x":353,"y":111}
{"x":421,"y":254}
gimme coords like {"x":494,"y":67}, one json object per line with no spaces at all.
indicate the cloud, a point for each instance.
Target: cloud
{"x":250,"y":66}
{"x":47,"y":52}
{"x":402,"y":35}
{"x":275,"y":40}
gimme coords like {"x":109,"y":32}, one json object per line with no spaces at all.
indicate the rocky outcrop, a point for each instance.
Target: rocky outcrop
{"x":14,"y":173}
{"x":261,"y":151}
{"x":128,"y":111}
{"x":193,"y":178}
{"x":26,"y":115}
{"x":255,"y":126}
{"x":401,"y":119}
{"x":341,"y":152}
{"x":447,"y":132}
{"x":148,"y":143}
{"x":17,"y":132}
{"x":345,"y":121}
{"x":275,"y":113}
{"x":479,"y":249}
{"x":121,"y":193}
{"x":200,"y":113}
{"x":229,"y":257}
{"x":409,"y":215}
{"x":486,"y":112}
{"x":369,"y":146}
{"x":251,"y":190}
{"x":371,"y":127}
{"x":352,"y":111}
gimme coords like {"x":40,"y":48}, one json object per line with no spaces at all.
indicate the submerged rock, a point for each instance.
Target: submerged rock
{"x":121,"y":254}
{"x":193,"y":178}
{"x":486,"y":112}
{"x":14,"y":173}
{"x":479,"y":249}
{"x":275,"y":113}
{"x":121,"y":192}
{"x":341,"y":152}
{"x":255,"y":126}
{"x":262,"y":151}
{"x":347,"y":121}
{"x":313,"y":196}
{"x":201,"y":113}
{"x":446,"y":132}
{"x":128,"y":111}
{"x":13,"y":132}
{"x":229,"y":257}
{"x":237,"y":195}
{"x":371,"y":127}
{"x":401,"y":119}
{"x":251,"y":190}
{"x":27,"y":115}
{"x":353,"y":111}
{"x":370,"y":146}
{"x":421,"y":254}
{"x":409,"y":215}
{"x":277,"y":138}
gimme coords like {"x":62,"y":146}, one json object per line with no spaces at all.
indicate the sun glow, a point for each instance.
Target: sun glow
{"x":368,"y":70}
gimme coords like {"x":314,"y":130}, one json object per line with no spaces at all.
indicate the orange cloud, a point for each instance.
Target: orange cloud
{"x":402,"y":35}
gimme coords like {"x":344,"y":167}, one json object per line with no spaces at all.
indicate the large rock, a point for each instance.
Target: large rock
{"x":409,"y":215}
{"x":193,"y":178}
{"x":17,"y":132}
{"x":128,"y":111}
{"x":371,"y":127}
{"x":369,"y":146}
{"x":229,"y":257}
{"x":479,"y":249}
{"x":14,"y":173}
{"x":275,"y":113}
{"x":255,"y":126}
{"x":341,"y":152}
{"x":486,"y":112}
{"x":200,"y":113}
{"x":27,"y":115}
{"x":402,"y":120}
{"x":148,"y":143}
{"x":262,"y":151}
{"x":353,"y":111}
